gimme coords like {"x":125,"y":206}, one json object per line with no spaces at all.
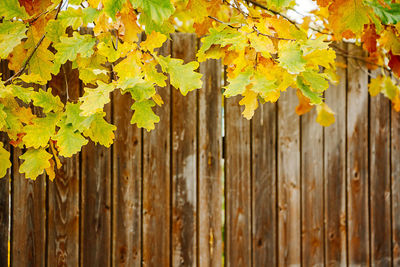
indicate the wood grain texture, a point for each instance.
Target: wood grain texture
{"x":357,"y":161}
{"x":209,"y":165}
{"x":5,"y":189}
{"x":312,"y":190}
{"x":127,"y":181}
{"x":264,"y":185}
{"x":157,"y":183}
{"x":335,"y":172}
{"x":63,"y":192}
{"x":289,"y":218}
{"x":28,"y":247}
{"x":96,"y":204}
{"x":380,"y":195}
{"x":395,"y":179}
{"x":237,"y":185}
{"x":184,"y":158}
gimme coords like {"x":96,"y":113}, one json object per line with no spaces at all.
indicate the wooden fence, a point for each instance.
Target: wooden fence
{"x":209,"y":188}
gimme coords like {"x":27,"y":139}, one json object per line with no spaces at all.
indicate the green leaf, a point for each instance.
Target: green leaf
{"x":25,"y":94}
{"x":222,"y":35}
{"x":35,"y":161}
{"x":100,"y":130}
{"x":70,"y":47}
{"x":39,"y":133}
{"x":112,"y":7}
{"x":73,"y":117}
{"x":138,"y":88}
{"x":55,"y":29}
{"x":11,"y":34}
{"x":387,"y":16}
{"x":95,"y":99}
{"x":315,"y":98}
{"x":316,"y":81}
{"x":69,"y":141}
{"x":144,"y":115}
{"x":5,"y":162}
{"x":183,"y":76}
{"x":47,"y":101}
{"x":11,"y":9}
{"x":290,"y":57}
{"x":237,"y":85}
{"x":155,"y":11}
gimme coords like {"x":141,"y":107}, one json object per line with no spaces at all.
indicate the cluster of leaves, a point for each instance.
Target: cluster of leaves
{"x":264,"y":51}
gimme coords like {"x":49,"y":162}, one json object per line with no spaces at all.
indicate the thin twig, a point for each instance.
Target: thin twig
{"x":273,"y":12}
{"x":23,"y":68}
{"x":66,"y":81}
{"x":220,"y":21}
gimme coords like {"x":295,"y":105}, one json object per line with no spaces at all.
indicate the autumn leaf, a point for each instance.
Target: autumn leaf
{"x":325,"y":115}
{"x":5,"y":162}
{"x":35,"y":162}
{"x":143,"y":115}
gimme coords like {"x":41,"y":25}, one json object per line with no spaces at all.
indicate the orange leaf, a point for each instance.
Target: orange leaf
{"x":304,"y":104}
{"x":369,"y":38}
{"x":394,"y":63}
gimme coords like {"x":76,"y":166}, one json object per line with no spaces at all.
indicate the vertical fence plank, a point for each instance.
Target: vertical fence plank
{"x":184,"y":156}
{"x":126,"y":185}
{"x":5,"y":190}
{"x":63,"y":196}
{"x":312,"y":188}
{"x":209,"y":165}
{"x":264,"y":185}
{"x":357,"y":160}
{"x":380,"y":181}
{"x":96,"y":204}
{"x":335,"y":172}
{"x":156,"y":184}
{"x":29,"y":218}
{"x":395,"y":179}
{"x":4,"y":208}
{"x":289,"y":236}
{"x":238,"y":185}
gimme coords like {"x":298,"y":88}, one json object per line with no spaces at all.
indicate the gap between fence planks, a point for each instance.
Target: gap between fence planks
{"x":294,"y":193}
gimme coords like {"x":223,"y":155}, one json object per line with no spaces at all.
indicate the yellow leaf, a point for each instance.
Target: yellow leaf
{"x":250,"y":103}
{"x":154,"y":40}
{"x":157,"y":99}
{"x":375,"y":86}
{"x":325,"y":115}
{"x":50,"y":170}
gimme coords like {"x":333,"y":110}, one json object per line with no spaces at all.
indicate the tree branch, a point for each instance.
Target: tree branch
{"x":23,"y":68}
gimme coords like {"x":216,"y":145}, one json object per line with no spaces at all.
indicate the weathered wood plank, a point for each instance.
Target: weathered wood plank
{"x":126,"y":185}
{"x":395,"y":179}
{"x":237,"y":185}
{"x":289,"y":220}
{"x":184,"y":156}
{"x":357,"y":160}
{"x":335,"y":172}
{"x":264,"y":186}
{"x":156,"y":184}
{"x":5,"y":190}
{"x":63,"y":192}
{"x":29,"y":218}
{"x":312,"y":190}
{"x":96,"y":204}
{"x":209,"y":165}
{"x":380,"y":195}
